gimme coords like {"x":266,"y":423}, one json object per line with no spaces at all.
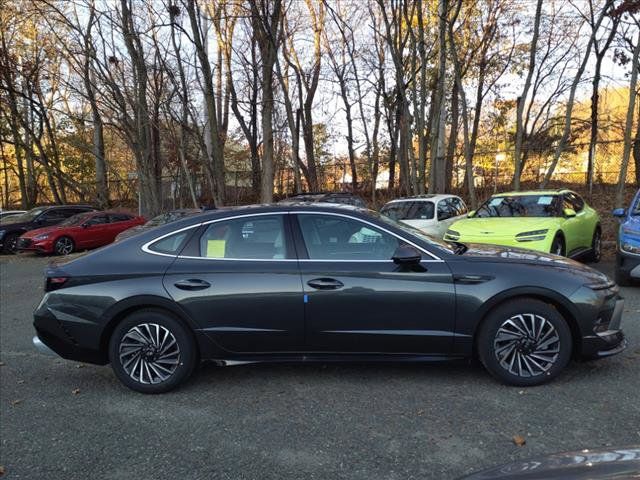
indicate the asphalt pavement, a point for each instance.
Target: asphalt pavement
{"x":62,"y":419}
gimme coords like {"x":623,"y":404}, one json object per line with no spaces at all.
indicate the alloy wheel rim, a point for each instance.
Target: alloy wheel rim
{"x":149,"y":353}
{"x":527,"y":345}
{"x":64,"y":246}
{"x":13,"y":244}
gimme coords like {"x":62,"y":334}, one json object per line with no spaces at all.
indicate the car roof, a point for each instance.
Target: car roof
{"x":557,"y":191}
{"x":435,"y":197}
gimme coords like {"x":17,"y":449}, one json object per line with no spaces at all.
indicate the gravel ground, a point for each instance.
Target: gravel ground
{"x":60,"y":419}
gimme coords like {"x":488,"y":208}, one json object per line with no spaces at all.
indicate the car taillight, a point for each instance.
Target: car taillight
{"x":54,"y":283}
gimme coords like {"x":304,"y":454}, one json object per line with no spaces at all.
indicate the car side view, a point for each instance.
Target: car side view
{"x":553,"y":221}
{"x":628,"y":244}
{"x":82,"y":231}
{"x":321,"y":283}
{"x":12,"y":227}
{"x":432,"y":214}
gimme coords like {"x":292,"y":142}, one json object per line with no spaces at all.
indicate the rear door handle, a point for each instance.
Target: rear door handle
{"x":325,"y":283}
{"x":192,"y":284}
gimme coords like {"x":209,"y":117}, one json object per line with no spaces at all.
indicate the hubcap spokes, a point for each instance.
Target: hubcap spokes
{"x":527,"y":345}
{"x":149,"y":353}
{"x":65,"y":246}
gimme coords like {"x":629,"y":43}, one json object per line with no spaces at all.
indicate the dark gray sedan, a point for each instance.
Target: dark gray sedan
{"x":321,"y":283}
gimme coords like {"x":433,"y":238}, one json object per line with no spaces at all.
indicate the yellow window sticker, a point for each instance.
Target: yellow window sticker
{"x":216,"y":248}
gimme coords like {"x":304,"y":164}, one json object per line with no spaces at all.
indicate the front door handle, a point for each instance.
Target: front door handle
{"x":192,"y":284}
{"x":325,"y":283}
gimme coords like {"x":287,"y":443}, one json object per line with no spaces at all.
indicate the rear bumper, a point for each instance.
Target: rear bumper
{"x":54,"y":336}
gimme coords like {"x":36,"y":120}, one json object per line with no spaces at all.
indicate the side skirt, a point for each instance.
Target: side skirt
{"x":333,"y":358}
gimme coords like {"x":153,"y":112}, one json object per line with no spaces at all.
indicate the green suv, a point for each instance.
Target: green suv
{"x":554,"y":221}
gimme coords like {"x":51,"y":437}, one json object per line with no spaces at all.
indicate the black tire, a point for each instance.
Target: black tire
{"x":596,"y":247}
{"x":177,"y":367}
{"x":493,"y":338}
{"x":623,"y":279}
{"x":10,"y":243}
{"x":64,"y":246}
{"x":558,"y":246}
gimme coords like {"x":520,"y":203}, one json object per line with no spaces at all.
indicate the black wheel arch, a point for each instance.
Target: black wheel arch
{"x":117,"y":312}
{"x":555,"y":299}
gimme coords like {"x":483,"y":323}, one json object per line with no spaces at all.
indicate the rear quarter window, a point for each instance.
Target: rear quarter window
{"x":172,"y":244}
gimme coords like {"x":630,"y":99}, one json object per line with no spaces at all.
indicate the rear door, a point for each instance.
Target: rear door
{"x":359,"y":301}
{"x":239,"y":281}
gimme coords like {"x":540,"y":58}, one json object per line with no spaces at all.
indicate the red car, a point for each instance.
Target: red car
{"x":80,"y":232}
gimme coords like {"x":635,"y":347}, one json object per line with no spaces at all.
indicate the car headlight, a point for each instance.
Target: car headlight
{"x":43,"y":236}
{"x":627,"y":247}
{"x":532,"y":236}
{"x":451,"y":235}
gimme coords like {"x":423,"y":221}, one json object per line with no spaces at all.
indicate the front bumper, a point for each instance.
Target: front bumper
{"x":607,"y":342}
{"x":628,"y":263}
{"x":28,"y":245}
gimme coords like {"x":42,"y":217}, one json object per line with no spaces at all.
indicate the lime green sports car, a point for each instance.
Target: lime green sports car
{"x":554,"y":221}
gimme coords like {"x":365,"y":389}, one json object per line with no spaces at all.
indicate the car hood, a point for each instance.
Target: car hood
{"x":7,"y":224}
{"x":43,"y":230}
{"x":501,"y":227}
{"x":612,"y":464}
{"x":476,"y":252}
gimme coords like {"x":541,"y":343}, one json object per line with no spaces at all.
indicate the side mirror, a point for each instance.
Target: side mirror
{"x":569,"y":212}
{"x":471,"y":214}
{"x":406,"y":255}
{"x":85,"y":225}
{"x":619,"y":212}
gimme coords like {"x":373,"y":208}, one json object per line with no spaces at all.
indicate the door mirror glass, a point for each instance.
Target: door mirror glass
{"x":569,"y":212}
{"x":406,"y":255}
{"x":619,"y":212}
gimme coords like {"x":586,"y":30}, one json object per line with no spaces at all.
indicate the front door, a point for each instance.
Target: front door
{"x":239,"y":281}
{"x":359,"y":300}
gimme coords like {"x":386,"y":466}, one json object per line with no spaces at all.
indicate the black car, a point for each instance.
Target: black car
{"x":156,"y":221}
{"x":12,"y":227}
{"x":321,"y":283}
{"x":587,"y":464}
{"x":344,"y":198}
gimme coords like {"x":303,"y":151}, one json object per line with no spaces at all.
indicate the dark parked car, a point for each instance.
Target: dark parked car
{"x":587,"y":464}
{"x":12,"y":227}
{"x":10,"y":213}
{"x":345,"y":198}
{"x":161,"y":219}
{"x":321,"y":283}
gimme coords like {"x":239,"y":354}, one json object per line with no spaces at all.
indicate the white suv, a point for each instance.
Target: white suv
{"x":432,"y":214}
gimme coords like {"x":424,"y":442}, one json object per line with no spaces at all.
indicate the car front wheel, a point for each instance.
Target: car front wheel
{"x":64,"y":246}
{"x":557,"y":246}
{"x":152,"y":352}
{"x":596,"y":246}
{"x":524,"y":342}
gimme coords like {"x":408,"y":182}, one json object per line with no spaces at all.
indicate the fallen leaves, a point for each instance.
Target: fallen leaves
{"x":75,"y":391}
{"x":1,"y":364}
{"x":1,"y":470}
{"x":16,"y":402}
{"x":519,"y":440}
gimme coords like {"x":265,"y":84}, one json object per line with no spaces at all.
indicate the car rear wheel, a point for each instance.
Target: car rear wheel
{"x":524,"y":342}
{"x":152,"y":352}
{"x":596,"y":247}
{"x":64,"y":246}
{"x":10,"y":243}
{"x":557,"y":246}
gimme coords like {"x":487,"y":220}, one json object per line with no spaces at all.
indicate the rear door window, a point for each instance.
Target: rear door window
{"x":251,"y":237}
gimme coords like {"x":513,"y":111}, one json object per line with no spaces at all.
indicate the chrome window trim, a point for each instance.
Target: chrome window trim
{"x":146,"y":249}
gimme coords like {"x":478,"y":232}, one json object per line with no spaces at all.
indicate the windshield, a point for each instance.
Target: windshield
{"x":24,"y":217}
{"x":435,"y":242}
{"x":409,"y":210}
{"x":520,"y":206}
{"x":76,"y":219}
